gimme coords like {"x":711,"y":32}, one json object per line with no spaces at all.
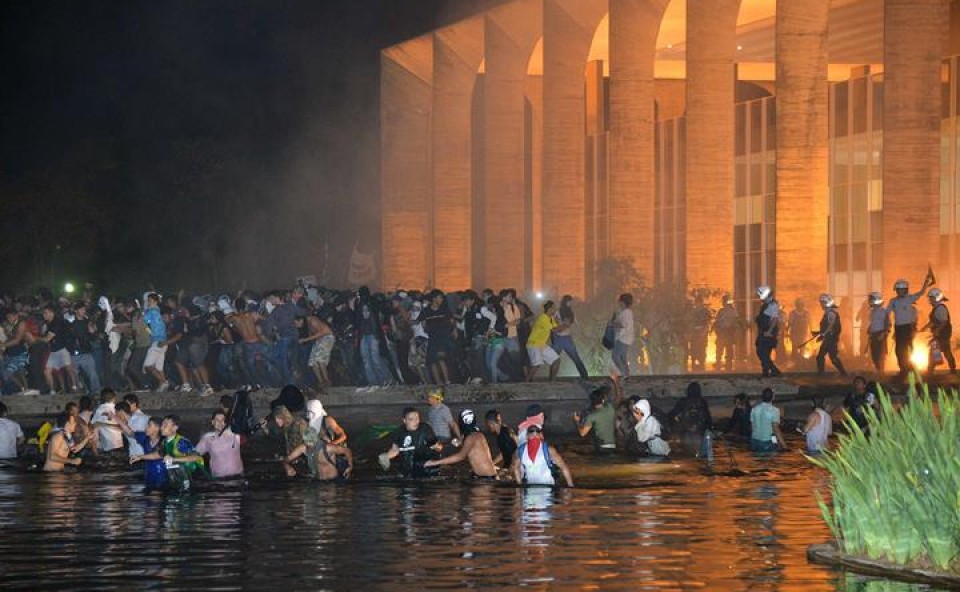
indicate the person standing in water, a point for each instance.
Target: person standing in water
{"x":475,"y":449}
{"x":818,"y":428}
{"x":536,"y":459}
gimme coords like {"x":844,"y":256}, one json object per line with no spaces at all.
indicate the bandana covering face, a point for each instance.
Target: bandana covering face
{"x":533,"y":447}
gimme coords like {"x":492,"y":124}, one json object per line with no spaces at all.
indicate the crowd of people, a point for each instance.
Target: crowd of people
{"x":306,"y":440}
{"x":316,"y":337}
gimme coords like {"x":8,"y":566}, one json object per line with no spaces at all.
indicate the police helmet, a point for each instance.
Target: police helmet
{"x":901,"y":285}
{"x":936,"y":295}
{"x":764,"y":292}
{"x":826,"y":300}
{"x":875,"y":299}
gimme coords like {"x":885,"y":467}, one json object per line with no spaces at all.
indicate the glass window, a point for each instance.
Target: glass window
{"x":740,"y":147}
{"x":859,"y":105}
{"x":877,"y":102}
{"x":859,"y":256}
{"x":755,"y":244}
{"x":771,"y":123}
{"x":739,"y":239}
{"x":840,"y":110}
{"x":756,"y":126}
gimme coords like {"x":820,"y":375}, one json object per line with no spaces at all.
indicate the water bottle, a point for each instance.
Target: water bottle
{"x":707,"y":451}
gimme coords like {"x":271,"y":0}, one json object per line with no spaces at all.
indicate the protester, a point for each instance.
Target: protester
{"x":691,"y":416}
{"x":61,"y":448}
{"x":475,"y":450}
{"x":11,"y":436}
{"x":223,"y":448}
{"x":414,"y":443}
{"x":536,"y":459}
{"x":441,"y":419}
{"x":601,"y":421}
{"x":503,"y":436}
{"x":765,"y":423}
{"x":109,"y":434}
{"x":648,"y":431}
{"x":818,"y":428}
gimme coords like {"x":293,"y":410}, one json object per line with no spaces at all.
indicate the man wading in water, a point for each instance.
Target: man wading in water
{"x":475,"y":449}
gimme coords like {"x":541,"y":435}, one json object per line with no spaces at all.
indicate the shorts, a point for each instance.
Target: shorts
{"x":58,"y":360}
{"x":439,"y":349}
{"x":155,"y":357}
{"x":418,"y":353}
{"x":192,"y":352}
{"x":14,"y":364}
{"x":542,"y":355}
{"x":320,"y":352}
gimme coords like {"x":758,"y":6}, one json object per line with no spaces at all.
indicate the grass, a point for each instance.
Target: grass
{"x":896,"y":492}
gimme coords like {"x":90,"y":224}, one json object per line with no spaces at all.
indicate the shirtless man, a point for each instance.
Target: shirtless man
{"x":61,"y":445}
{"x":322,"y":459}
{"x":14,"y":350}
{"x":245,"y":323}
{"x":320,"y":334}
{"x":474,"y":449}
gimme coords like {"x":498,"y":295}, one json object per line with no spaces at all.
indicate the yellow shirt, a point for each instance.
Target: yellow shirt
{"x":540,"y":333}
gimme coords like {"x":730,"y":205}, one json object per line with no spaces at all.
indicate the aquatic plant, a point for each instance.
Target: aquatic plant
{"x":896,"y":491}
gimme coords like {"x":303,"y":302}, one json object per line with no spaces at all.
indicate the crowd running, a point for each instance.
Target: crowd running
{"x":314,"y":337}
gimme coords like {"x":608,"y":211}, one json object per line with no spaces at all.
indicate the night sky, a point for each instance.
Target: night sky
{"x":193,"y":145}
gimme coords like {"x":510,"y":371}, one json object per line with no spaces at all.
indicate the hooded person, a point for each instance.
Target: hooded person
{"x":648,"y":430}
{"x":325,"y":425}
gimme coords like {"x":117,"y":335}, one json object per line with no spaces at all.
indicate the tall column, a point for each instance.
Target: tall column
{"x":568,"y":29}
{"x":914,"y":35}
{"x":802,"y":155}
{"x":457,"y":51}
{"x":634,"y":25}
{"x":509,"y":36}
{"x":711,"y":49}
{"x":405,"y":172}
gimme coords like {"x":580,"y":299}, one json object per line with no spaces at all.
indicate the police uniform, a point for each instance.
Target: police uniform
{"x":766,"y":317}
{"x":904,"y":328}
{"x":877,"y":332}
{"x":829,"y":336}
{"x":942,"y":330}
{"x":726,"y":327}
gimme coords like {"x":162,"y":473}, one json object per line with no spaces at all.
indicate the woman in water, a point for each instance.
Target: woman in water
{"x":648,"y":431}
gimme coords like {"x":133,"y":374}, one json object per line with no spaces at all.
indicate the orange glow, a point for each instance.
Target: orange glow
{"x":920,"y":356}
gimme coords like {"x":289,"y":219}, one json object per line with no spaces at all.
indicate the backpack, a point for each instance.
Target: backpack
{"x":609,"y":334}
{"x":242,"y":420}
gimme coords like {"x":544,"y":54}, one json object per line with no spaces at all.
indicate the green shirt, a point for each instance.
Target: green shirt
{"x":602,"y":425}
{"x":762,"y":418}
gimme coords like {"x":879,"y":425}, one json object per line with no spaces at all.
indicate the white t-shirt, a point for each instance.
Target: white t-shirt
{"x":111,"y":438}
{"x":9,"y":432}
{"x":138,"y":423}
{"x":625,"y":331}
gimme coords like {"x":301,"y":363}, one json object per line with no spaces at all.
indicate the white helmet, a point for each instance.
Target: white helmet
{"x":901,"y":284}
{"x":826,"y":300}
{"x":727,"y":299}
{"x":764,"y":292}
{"x":875,"y":299}
{"x":936,"y":295}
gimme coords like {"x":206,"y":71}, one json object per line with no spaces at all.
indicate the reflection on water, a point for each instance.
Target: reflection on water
{"x":627,"y":526}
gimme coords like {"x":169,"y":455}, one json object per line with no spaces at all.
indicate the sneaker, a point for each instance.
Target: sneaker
{"x":206,"y":391}
{"x":30,"y":392}
{"x":185,"y":388}
{"x":163,"y":387}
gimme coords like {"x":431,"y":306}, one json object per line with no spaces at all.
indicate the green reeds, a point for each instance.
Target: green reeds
{"x":896,"y":492}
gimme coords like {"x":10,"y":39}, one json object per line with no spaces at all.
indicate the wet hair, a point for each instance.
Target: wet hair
{"x":492,"y":416}
{"x":122,"y":406}
{"x":408,"y":410}
{"x":694,"y":391}
{"x":174,"y":419}
{"x":155,"y":420}
{"x":108,"y":395}
{"x":598,"y":396}
{"x":63,"y":419}
{"x":818,"y":402}
{"x":548,"y":305}
{"x":859,"y":378}
{"x":86,"y":403}
{"x":767,"y":395}
{"x":218,"y":412}
{"x":71,"y":405}
{"x":626,"y":299}
{"x":742,"y":398}
{"x":3,"y":410}
{"x":131,"y":399}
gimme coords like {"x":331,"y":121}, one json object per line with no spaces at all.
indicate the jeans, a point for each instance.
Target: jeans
{"x":86,"y":364}
{"x":621,"y":357}
{"x":494,"y":351}
{"x":374,"y":367}
{"x":828,"y":347}
{"x":254,"y":353}
{"x":514,"y":353}
{"x":762,"y":445}
{"x":280,"y":354}
{"x":565,"y":344}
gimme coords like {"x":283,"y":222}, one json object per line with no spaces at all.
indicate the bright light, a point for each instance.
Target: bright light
{"x":68,"y":288}
{"x":539,"y":295}
{"x":920,"y":356}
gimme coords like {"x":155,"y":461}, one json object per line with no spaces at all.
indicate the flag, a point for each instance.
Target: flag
{"x":931,"y":279}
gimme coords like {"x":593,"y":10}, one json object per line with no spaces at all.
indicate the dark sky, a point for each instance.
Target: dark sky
{"x":188,"y":144}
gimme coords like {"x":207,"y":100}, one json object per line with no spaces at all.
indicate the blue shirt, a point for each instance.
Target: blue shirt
{"x":154,"y":322}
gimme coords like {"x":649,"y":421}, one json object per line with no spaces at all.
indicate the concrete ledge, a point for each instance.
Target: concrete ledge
{"x":560,"y":391}
{"x":829,"y":554}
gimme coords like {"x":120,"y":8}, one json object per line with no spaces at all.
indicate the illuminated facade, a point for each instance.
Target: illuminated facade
{"x":809,"y":145}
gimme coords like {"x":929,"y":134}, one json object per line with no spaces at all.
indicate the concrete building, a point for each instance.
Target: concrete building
{"x":813,"y":146}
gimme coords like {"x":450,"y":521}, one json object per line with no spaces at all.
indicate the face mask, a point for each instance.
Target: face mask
{"x":270,"y":306}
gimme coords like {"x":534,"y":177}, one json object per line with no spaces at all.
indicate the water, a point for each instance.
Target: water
{"x":627,"y":526}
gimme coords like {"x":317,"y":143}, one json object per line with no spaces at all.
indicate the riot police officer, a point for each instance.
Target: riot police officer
{"x":878,"y":330}
{"x":940,"y":329}
{"x":725,"y":328}
{"x":829,"y":335}
{"x":905,"y":322}
{"x":768,"y":329}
